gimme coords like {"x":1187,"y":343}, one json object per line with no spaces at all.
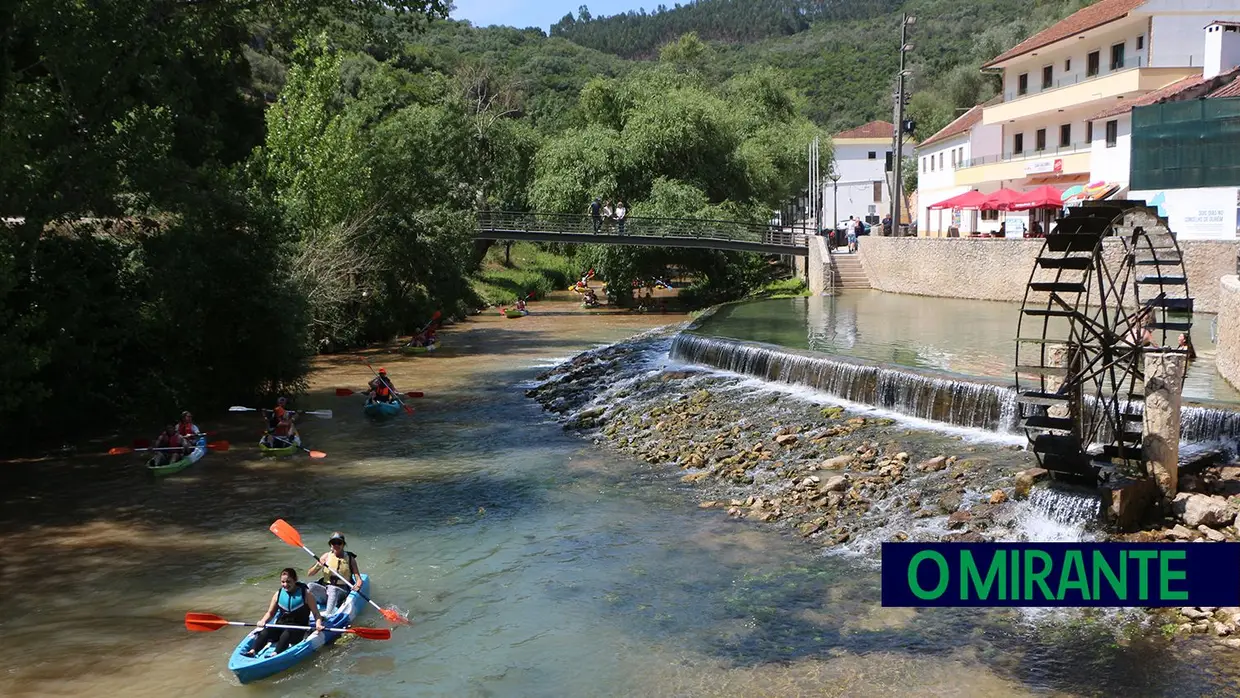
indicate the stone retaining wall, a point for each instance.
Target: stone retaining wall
{"x":998,"y":269}
{"x":1228,"y":357}
{"x":818,"y":272}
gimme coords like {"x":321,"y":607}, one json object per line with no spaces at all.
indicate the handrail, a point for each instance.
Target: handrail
{"x":701,"y":229}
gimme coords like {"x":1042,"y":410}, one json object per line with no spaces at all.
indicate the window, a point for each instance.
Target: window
{"x":878,"y":192}
{"x":990,"y":215}
{"x":1140,"y":42}
{"x":953,"y":158}
{"x":1067,"y":64}
{"x":873,"y":155}
{"x":1089,"y":132}
{"x":1048,"y":76}
{"x":1022,"y":84}
{"x":1018,"y":144}
{"x":940,"y":161}
{"x":1039,"y":139}
{"x":1091,"y":63}
{"x":923,"y":164}
{"x":1112,"y":133}
{"x":1065,"y":135}
{"x":932,"y":163}
{"x":1117,"y":56}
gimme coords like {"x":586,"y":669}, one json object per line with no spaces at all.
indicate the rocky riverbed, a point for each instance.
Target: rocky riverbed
{"x":845,"y":478}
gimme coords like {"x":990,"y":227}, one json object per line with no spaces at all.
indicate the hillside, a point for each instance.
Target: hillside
{"x":841,"y":55}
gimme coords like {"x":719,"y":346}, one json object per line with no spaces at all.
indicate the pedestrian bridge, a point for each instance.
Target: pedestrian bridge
{"x":660,"y":232}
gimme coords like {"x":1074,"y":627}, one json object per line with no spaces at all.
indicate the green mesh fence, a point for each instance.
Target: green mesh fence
{"x":1194,"y":143}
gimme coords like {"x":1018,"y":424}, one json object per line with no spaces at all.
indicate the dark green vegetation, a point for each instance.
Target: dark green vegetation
{"x":841,"y":55}
{"x":199,"y":196}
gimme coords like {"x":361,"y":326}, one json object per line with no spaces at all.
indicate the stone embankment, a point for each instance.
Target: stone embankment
{"x":841,"y":478}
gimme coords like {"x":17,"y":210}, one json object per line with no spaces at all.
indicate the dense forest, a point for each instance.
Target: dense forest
{"x":198,"y":197}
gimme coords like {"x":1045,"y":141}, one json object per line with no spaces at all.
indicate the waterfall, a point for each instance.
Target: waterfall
{"x":964,"y":403}
{"x":960,"y":403}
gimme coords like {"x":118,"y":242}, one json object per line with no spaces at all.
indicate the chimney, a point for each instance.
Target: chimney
{"x":1222,"y":48}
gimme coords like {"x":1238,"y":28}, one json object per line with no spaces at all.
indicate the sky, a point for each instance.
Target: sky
{"x":541,"y":13}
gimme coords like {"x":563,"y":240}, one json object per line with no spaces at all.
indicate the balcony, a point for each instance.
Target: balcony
{"x":1130,"y":79}
{"x":1072,"y":159}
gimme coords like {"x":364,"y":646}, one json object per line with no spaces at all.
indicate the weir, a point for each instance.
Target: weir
{"x":958,"y":401}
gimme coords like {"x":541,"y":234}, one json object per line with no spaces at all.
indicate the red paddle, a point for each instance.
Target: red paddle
{"x":209,"y":623}
{"x":216,"y":446}
{"x":285,"y":532}
{"x":345,"y":392}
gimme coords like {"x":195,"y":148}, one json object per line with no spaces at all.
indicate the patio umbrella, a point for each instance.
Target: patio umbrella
{"x":969,"y":199}
{"x":1042,"y":197}
{"x":1001,"y":200}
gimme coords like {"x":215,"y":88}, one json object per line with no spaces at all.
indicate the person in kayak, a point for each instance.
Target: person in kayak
{"x":170,"y":438}
{"x":186,"y":428}
{"x":270,"y":415}
{"x":381,"y":388}
{"x":330,"y":589}
{"x":284,"y":432}
{"x":291,"y":605}
{"x":520,"y":304}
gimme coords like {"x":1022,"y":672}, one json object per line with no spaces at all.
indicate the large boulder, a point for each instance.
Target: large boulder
{"x":1203,"y":510}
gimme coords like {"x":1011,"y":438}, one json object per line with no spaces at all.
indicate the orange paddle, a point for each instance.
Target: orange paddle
{"x":216,"y":446}
{"x":285,"y":532}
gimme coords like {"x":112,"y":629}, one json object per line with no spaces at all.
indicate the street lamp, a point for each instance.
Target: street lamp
{"x":834,"y":176}
{"x":897,"y":186}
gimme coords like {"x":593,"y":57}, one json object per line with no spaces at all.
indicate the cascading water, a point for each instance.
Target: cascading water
{"x":960,"y":403}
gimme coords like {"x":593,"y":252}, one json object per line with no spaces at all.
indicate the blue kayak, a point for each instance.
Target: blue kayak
{"x":268,"y":663}
{"x":382,"y":409}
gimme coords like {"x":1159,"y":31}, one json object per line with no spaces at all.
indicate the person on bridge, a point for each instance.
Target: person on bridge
{"x":622,"y":210}
{"x":607,"y":214}
{"x":596,"y":217}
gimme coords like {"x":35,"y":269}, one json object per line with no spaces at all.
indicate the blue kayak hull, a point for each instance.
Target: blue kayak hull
{"x":382,"y":409}
{"x":248,"y":669}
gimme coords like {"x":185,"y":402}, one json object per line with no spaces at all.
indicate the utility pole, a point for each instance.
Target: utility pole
{"x":815,"y":190}
{"x":897,"y":185}
{"x":834,"y":175}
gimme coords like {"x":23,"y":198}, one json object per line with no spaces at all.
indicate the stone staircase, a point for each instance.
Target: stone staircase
{"x":848,"y":271}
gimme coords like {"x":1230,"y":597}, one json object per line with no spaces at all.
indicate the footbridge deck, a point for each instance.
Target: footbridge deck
{"x":659,"y":232}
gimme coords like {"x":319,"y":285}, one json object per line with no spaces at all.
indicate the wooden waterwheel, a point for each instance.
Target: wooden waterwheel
{"x":1107,"y":286}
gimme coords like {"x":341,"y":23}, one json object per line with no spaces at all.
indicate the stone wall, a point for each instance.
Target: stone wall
{"x":998,"y":269}
{"x":819,"y":272}
{"x":1228,"y":357}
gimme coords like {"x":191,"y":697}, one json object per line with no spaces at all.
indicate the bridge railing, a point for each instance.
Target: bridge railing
{"x":581,"y":224}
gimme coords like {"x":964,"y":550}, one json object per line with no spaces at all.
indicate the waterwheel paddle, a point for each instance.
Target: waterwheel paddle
{"x":209,"y":623}
{"x":285,"y":532}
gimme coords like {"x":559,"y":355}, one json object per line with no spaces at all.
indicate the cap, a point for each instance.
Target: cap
{"x":337,"y":536}
{"x":383,"y":370}
{"x":281,"y":401}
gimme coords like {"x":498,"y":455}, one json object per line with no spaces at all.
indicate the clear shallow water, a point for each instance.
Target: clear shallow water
{"x":532,"y":564}
{"x":966,"y":337}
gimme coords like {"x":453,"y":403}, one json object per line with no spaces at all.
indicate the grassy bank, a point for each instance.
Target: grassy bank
{"x":532,"y":268}
{"x":783,"y":288}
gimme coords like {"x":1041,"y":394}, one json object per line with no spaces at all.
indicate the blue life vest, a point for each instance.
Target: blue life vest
{"x":294,"y":604}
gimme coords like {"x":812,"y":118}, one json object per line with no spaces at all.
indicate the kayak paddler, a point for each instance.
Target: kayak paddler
{"x":331,"y":589}
{"x":282,"y":434}
{"x":169,"y":438}
{"x":381,"y":388}
{"x":293,"y":604}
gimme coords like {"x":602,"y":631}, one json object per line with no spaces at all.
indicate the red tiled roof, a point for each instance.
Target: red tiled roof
{"x":874,"y":129}
{"x":961,"y":125}
{"x":1230,"y":90}
{"x":1185,"y":88}
{"x":1093,"y":16}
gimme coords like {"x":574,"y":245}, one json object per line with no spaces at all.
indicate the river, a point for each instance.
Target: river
{"x":532,"y":563}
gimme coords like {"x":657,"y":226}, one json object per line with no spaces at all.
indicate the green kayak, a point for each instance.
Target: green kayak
{"x":177,"y":466}
{"x":283,"y":451}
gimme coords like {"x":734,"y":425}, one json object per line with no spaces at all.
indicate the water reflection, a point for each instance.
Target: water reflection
{"x":966,"y":337}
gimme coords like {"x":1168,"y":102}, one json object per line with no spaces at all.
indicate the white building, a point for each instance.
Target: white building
{"x":1057,"y":83}
{"x":937,"y":157}
{"x":861,"y":160}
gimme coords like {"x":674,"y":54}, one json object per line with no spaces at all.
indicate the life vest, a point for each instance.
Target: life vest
{"x":185,"y":429}
{"x":342,"y":565}
{"x":292,"y":605}
{"x":382,"y":389}
{"x":282,"y":428}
